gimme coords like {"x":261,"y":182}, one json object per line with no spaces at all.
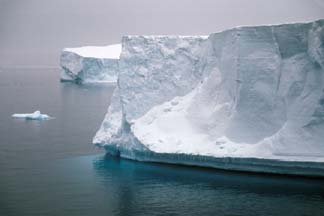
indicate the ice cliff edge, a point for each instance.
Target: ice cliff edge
{"x":90,"y":64}
{"x":249,"y":98}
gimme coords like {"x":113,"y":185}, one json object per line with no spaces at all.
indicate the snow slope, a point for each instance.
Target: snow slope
{"x":249,"y":98}
{"x":90,"y":64}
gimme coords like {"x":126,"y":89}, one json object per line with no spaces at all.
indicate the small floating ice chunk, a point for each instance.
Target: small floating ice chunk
{"x":32,"y":116}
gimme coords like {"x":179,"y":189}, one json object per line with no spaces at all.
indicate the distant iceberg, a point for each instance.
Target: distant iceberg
{"x":249,"y":98}
{"x":90,"y":64}
{"x":32,"y":116}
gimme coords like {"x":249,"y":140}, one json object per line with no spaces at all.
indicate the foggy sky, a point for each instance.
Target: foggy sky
{"x":32,"y":32}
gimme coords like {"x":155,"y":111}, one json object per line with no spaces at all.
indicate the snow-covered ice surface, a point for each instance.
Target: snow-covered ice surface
{"x":249,"y":98}
{"x":37,"y":115}
{"x":90,"y":64}
{"x":110,"y":52}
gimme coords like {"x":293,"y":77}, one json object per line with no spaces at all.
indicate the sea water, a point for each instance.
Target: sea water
{"x":51,"y":167}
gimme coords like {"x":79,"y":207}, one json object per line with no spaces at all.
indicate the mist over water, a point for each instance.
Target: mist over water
{"x":33,"y":32}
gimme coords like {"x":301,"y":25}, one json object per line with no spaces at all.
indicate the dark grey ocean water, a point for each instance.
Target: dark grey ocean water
{"x":51,"y":168}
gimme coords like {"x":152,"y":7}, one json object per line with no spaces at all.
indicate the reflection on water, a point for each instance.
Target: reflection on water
{"x":153,"y":189}
{"x":29,"y":182}
{"x":104,"y":185}
{"x":77,"y":110}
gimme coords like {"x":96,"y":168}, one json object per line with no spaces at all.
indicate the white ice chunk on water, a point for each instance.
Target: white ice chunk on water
{"x":37,"y":115}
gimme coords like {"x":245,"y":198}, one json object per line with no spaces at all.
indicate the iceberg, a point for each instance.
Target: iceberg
{"x":90,"y":64}
{"x":32,"y":116}
{"x":249,"y":98}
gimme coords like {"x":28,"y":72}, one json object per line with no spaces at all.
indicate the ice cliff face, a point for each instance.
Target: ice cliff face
{"x":90,"y":64}
{"x":153,"y":69}
{"x":250,"y":98}
{"x":268,"y":90}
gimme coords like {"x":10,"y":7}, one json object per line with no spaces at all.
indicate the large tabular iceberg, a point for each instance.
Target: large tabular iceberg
{"x":90,"y":64}
{"x":249,"y":98}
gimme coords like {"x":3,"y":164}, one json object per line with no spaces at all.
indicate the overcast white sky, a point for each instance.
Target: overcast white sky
{"x":32,"y":32}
